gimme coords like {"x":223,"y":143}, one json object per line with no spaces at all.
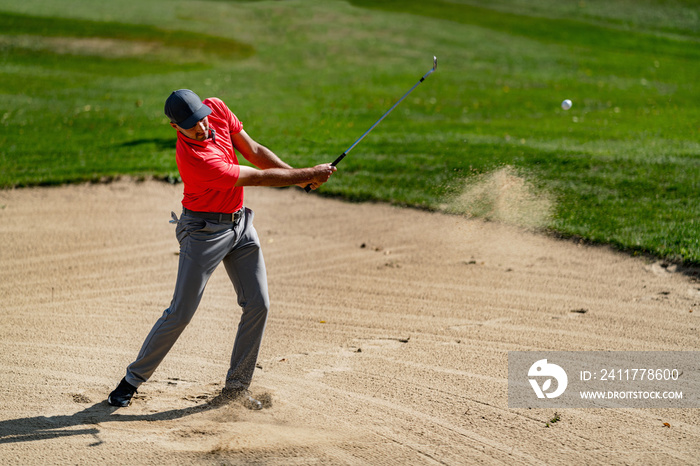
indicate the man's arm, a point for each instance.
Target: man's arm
{"x":273,"y":171}
{"x":277,"y":177}
{"x":256,"y":153}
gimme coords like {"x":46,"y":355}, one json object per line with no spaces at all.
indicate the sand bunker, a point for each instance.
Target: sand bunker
{"x":391,"y":353}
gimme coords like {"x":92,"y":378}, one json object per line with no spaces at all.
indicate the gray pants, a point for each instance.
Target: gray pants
{"x":204,"y":244}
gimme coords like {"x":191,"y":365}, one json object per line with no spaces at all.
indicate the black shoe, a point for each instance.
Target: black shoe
{"x":121,"y":396}
{"x":242,"y":396}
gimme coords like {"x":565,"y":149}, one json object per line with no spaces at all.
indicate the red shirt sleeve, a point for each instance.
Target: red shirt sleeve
{"x":221,"y":111}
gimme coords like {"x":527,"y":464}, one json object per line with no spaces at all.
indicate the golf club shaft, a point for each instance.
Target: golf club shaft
{"x":342,"y":156}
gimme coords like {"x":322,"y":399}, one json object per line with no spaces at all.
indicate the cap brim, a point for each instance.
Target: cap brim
{"x":195,"y":117}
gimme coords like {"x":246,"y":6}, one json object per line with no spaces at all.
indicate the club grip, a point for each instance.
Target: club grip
{"x":335,"y":162}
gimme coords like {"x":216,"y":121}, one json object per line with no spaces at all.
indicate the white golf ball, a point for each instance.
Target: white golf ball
{"x":566,"y":104}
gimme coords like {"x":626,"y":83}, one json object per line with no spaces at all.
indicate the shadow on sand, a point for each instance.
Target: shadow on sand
{"x":85,"y":422}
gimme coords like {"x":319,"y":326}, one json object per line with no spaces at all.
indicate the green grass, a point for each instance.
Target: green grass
{"x":83,"y":85}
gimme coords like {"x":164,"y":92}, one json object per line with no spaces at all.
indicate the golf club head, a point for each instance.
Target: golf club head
{"x":434,"y":62}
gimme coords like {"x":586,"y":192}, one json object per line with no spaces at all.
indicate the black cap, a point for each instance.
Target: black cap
{"x":185,"y":108}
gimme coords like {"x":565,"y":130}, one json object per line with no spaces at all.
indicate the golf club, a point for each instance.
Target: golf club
{"x":342,"y":156}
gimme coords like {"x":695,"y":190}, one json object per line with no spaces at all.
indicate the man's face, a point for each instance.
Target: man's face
{"x":198,"y":132}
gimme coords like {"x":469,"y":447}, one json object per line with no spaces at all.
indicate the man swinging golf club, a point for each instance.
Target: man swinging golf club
{"x":215,"y":227}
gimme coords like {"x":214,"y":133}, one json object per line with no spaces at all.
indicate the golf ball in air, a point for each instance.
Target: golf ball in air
{"x":566,"y":104}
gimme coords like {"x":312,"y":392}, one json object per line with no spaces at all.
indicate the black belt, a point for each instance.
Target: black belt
{"x":216,"y":216}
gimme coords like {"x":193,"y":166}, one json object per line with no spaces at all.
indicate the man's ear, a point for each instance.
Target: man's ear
{"x":173,"y":125}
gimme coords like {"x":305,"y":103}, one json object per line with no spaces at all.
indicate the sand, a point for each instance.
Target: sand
{"x":387,"y":341}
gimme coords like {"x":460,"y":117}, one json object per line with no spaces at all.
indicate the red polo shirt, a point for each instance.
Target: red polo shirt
{"x":209,"y":169}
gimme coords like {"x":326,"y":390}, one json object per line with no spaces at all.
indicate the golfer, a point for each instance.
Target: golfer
{"x":215,"y":227}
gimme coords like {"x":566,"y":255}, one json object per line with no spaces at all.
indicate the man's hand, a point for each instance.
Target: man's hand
{"x":323,"y":173}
